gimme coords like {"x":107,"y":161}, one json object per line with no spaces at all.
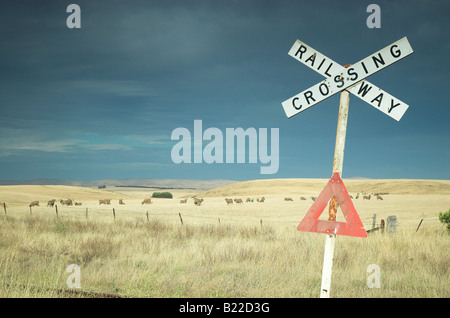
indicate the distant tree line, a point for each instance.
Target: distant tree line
{"x":166,"y":195}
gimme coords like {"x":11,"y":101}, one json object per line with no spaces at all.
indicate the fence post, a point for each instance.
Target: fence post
{"x":4,"y":207}
{"x":382,"y":226}
{"x":147,"y":215}
{"x":86,"y":213}
{"x":56,"y":208}
{"x":181,"y":219}
{"x":374,"y":221}
{"x":114,"y":214}
{"x":30,"y":210}
{"x":419,"y":225}
{"x":391,"y":226}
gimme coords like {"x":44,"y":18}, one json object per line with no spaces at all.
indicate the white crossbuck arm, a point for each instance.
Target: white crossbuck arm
{"x":351,"y":79}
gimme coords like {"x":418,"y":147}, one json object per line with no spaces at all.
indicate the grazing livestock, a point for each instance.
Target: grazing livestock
{"x":302,"y":198}
{"x":198,"y":201}
{"x":34,"y":203}
{"x":239,"y":201}
{"x":229,"y":201}
{"x":147,"y":201}
{"x":313,"y":198}
{"x":51,"y":203}
{"x":288,"y":199}
{"x":66,"y":202}
{"x":366,"y":197}
{"x":105,"y":201}
{"x":78,"y":203}
{"x":379,"y":197}
{"x":261,"y":200}
{"x":183,"y":200}
{"x":121,"y":202}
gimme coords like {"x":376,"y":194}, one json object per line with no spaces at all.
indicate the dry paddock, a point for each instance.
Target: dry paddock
{"x":409,"y":210}
{"x":240,"y":250}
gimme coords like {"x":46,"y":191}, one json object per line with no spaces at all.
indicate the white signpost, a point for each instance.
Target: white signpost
{"x":345,"y":79}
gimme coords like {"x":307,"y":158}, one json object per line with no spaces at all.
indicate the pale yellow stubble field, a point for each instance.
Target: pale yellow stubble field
{"x":247,"y":250}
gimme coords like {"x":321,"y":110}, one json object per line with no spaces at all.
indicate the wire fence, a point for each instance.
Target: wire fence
{"x":371,"y":224}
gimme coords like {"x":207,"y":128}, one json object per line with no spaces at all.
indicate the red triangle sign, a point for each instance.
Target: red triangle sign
{"x":334,"y":188}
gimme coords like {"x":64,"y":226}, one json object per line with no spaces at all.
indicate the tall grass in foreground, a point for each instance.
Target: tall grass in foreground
{"x":161,"y":259}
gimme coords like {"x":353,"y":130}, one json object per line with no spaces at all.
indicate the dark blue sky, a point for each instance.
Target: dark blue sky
{"x":102,"y":101}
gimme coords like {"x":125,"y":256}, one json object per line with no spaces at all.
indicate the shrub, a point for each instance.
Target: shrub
{"x":444,"y":217}
{"x":166,"y":195}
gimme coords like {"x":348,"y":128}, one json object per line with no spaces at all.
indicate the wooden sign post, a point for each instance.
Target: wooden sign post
{"x":338,"y":163}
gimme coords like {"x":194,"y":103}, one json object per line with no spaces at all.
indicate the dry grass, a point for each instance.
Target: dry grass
{"x":236,"y":257}
{"x":137,"y":258}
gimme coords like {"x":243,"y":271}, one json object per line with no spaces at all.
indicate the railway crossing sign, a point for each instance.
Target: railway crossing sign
{"x":351,"y":79}
{"x":334,"y":188}
{"x":344,"y":79}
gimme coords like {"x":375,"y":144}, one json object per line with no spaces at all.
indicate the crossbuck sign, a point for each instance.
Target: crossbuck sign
{"x":345,"y":79}
{"x":351,"y":79}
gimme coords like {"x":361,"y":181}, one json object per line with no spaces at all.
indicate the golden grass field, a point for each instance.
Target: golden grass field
{"x":240,"y":250}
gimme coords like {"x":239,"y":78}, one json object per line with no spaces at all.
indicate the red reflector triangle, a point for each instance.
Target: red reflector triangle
{"x":353,"y":225}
